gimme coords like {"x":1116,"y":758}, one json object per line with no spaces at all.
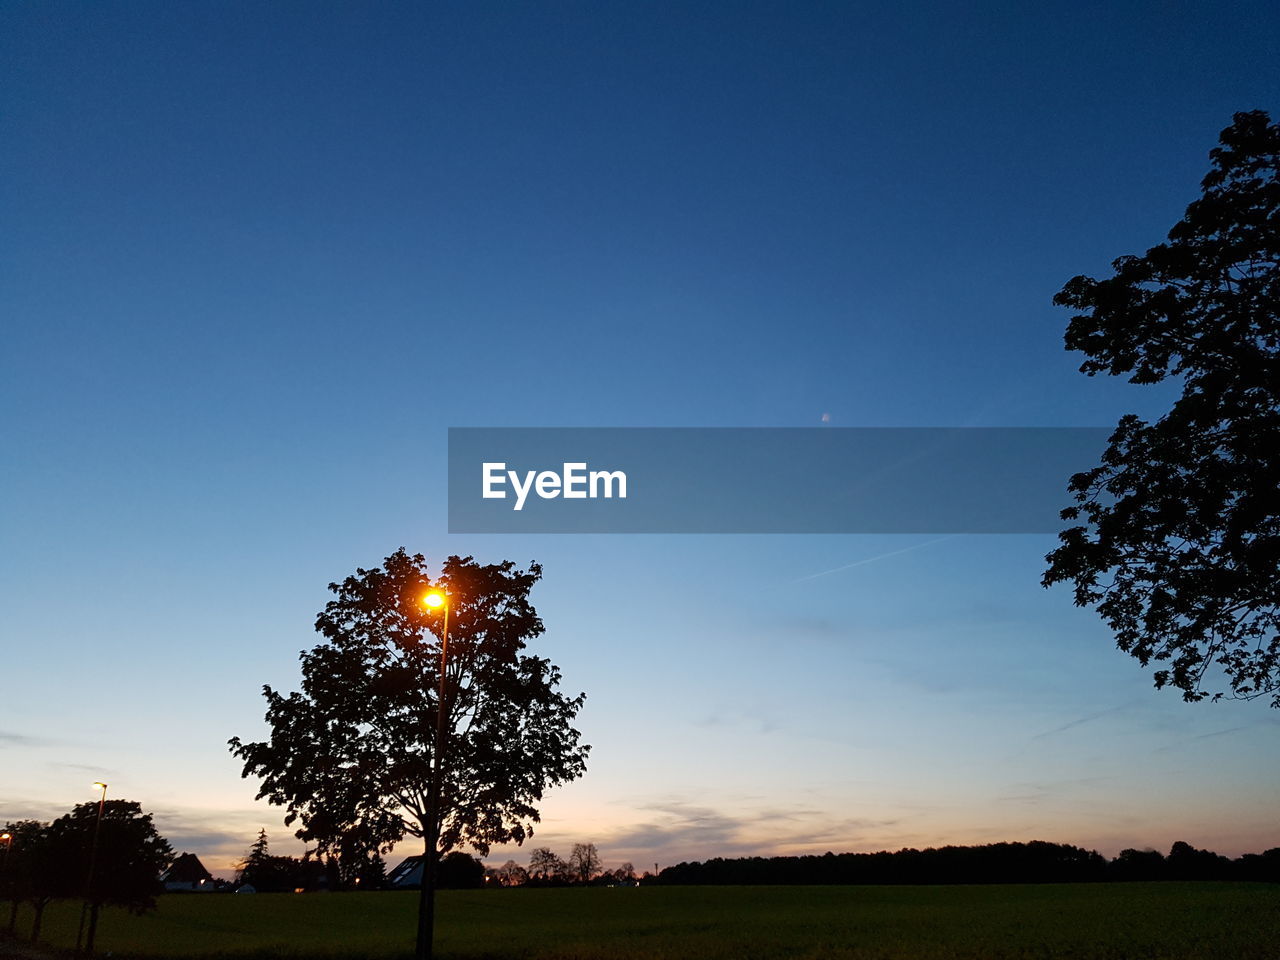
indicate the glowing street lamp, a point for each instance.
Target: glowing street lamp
{"x":7,"y":837}
{"x":434,"y":600}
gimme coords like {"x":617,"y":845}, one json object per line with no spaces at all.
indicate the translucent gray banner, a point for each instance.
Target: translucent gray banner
{"x":765,"y":480}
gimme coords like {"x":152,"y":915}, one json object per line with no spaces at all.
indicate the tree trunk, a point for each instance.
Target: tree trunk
{"x":427,"y":896}
{"x":93,"y":929}
{"x":38,"y":920}
{"x":13,"y":916}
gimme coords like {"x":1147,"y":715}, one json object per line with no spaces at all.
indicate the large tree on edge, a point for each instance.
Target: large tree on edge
{"x":352,"y":754}
{"x":1179,"y":548}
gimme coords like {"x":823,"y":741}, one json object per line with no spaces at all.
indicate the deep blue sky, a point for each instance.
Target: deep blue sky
{"x":257,"y":258}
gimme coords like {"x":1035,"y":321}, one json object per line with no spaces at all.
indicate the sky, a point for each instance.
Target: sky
{"x":257,"y":259}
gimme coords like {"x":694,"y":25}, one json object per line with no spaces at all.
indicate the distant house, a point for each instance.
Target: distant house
{"x":408,"y":874}
{"x":187,"y":874}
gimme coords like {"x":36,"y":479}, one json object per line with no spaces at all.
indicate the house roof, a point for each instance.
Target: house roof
{"x":186,"y":869}
{"x":405,"y":871}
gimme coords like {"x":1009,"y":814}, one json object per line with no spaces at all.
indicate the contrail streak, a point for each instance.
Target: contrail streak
{"x":882,"y":556}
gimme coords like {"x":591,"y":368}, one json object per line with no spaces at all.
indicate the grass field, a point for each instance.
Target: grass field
{"x":1222,"y":921}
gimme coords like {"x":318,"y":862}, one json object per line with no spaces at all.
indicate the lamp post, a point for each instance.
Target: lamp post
{"x":93,"y":860}
{"x":7,"y":837}
{"x":434,"y":600}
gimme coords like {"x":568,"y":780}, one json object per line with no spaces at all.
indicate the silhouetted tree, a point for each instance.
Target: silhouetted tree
{"x":511,"y":874}
{"x":354,"y":750}
{"x":460,"y":871}
{"x":1179,"y":548}
{"x":312,"y":872}
{"x":545,"y":865}
{"x":358,"y":859}
{"x":268,"y":873}
{"x":371,"y":873}
{"x":1138,"y":865}
{"x":11,"y":881}
{"x":1185,"y":862}
{"x":33,"y":873}
{"x":1264,"y":867}
{"x":333,"y":879}
{"x":254,"y":866}
{"x":130,"y":856}
{"x":584,"y":862}
{"x":541,"y":861}
{"x":264,"y":872}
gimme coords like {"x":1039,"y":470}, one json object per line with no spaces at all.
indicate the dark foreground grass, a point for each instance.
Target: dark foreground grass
{"x":1156,"y":921}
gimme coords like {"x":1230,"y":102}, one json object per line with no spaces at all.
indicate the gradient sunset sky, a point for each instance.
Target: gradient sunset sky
{"x":257,"y":258}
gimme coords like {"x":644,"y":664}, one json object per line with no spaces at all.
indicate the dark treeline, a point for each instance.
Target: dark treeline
{"x":265,"y":872}
{"x":1034,"y":862}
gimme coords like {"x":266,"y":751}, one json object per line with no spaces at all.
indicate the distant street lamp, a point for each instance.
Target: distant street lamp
{"x":93,"y":860}
{"x":434,"y":600}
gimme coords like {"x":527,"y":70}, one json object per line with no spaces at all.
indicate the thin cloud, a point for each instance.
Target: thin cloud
{"x":757,"y":720}
{"x":75,"y":767}
{"x":14,"y":809}
{"x":685,"y":831}
{"x":12,"y":739}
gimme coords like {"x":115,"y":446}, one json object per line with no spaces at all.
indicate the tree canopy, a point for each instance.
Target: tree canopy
{"x":130,"y":853}
{"x":126,"y":851}
{"x":350,"y":755}
{"x":1178,"y":547}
